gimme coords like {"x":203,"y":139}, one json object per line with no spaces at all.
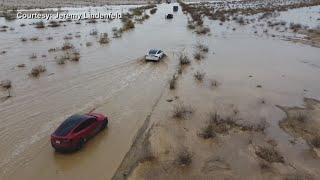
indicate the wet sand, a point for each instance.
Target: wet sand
{"x":111,"y":79}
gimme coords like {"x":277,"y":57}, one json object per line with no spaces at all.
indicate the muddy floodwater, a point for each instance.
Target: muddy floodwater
{"x":112,"y":79}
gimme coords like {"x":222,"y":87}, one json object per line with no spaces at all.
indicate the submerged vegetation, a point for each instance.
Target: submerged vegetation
{"x":37,"y":70}
{"x":269,"y":154}
{"x":104,"y":39}
{"x":184,"y":157}
{"x":7,"y":85}
{"x":181,"y":111}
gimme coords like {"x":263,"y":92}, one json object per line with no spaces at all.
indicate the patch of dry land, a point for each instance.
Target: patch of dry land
{"x":32,"y":4}
{"x":235,"y":97}
{"x":304,"y":123}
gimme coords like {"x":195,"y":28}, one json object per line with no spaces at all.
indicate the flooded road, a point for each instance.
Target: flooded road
{"x":111,"y":79}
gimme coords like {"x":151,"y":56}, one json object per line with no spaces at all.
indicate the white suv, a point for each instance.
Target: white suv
{"x":154,"y":55}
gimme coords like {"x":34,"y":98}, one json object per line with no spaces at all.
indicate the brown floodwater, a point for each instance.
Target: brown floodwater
{"x":111,"y":79}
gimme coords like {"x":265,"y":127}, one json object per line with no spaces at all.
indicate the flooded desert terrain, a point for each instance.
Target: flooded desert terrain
{"x":236,"y":97}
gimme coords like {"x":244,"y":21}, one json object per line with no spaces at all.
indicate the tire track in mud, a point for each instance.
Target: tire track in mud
{"x":21,"y":145}
{"x":140,"y":148}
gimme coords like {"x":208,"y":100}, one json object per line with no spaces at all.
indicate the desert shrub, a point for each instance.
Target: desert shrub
{"x":261,"y":126}
{"x":202,"y":48}
{"x":184,"y":60}
{"x":67,"y":37}
{"x":191,"y":26}
{"x":117,"y":32}
{"x":40,"y":25}
{"x":316,"y":142}
{"x":299,"y":175}
{"x":214,"y":83}
{"x":179,"y":70}
{"x":181,"y":111}
{"x":269,"y":154}
{"x":301,"y":117}
{"x":9,"y":15}
{"x":207,"y":132}
{"x":88,"y":44}
{"x":221,"y":125}
{"x":23,"y":39}
{"x":153,"y":11}
{"x":61,"y":61}
{"x":240,"y":20}
{"x":295,"y":27}
{"x":21,"y":65}
{"x":7,"y":85}
{"x":92,"y":21}
{"x":37,"y":70}
{"x":34,"y":39}
{"x":136,"y":12}
{"x":93,"y":32}
{"x":202,"y":30}
{"x":104,"y":39}
{"x":184,"y":158}
{"x":173,"y":82}
{"x":198,"y":56}
{"x":75,"y":56}
{"x":33,"y":56}
{"x":129,"y":24}
{"x":146,"y":16}
{"x":54,"y":24}
{"x":199,"y":75}
{"x":67,"y":45}
{"x":139,"y":10}
{"x":264,"y":165}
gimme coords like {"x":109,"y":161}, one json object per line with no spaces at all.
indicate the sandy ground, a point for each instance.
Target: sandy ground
{"x":255,"y":82}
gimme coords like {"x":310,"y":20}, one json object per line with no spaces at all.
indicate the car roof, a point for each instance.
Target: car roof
{"x":70,"y":123}
{"x":153,"y":50}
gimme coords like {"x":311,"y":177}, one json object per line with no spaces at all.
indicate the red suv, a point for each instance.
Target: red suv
{"x":76,"y":130}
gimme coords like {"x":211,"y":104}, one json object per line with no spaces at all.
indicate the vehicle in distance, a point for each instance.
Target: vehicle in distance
{"x":154,"y":55}
{"x":169,"y":16}
{"x":74,"y":132}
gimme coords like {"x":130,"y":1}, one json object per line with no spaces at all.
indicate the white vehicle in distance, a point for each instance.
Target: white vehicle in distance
{"x":154,"y":55}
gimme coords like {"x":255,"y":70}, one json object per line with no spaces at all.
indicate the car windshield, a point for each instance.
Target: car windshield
{"x":69,"y":124}
{"x":153,"y":51}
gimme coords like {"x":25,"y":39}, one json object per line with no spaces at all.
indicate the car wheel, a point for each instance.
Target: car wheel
{"x":105,"y":124}
{"x":80,"y":144}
